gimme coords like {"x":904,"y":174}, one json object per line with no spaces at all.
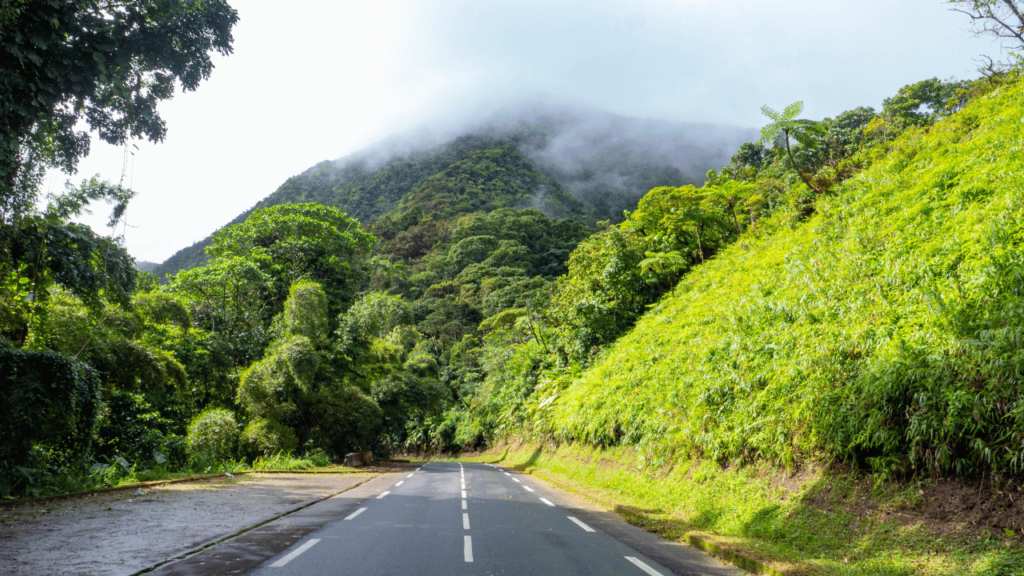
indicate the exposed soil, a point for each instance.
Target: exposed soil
{"x":119,"y":534}
{"x":944,"y":506}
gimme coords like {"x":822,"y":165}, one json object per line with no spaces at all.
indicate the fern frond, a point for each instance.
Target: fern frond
{"x":770,"y":113}
{"x":793,"y":110}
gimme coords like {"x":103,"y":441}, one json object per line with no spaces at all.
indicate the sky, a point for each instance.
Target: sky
{"x":312,"y":80}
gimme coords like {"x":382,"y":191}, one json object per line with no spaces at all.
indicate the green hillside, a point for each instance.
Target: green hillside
{"x":884,"y":330}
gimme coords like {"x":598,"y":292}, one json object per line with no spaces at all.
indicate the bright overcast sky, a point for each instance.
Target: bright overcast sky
{"x":312,"y":80}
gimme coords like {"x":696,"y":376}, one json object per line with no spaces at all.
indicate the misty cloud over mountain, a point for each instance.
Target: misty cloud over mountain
{"x":606,"y":162}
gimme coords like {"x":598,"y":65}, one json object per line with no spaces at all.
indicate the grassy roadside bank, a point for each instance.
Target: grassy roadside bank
{"x":815,"y":521}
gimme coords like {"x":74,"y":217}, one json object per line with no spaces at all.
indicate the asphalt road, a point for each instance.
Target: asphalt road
{"x":452,"y":519}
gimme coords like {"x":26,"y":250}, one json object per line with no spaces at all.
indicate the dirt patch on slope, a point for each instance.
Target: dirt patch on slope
{"x":120,"y":533}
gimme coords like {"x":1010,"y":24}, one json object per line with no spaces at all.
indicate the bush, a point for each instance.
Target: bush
{"x":212,"y":436}
{"x":47,"y":400}
{"x":265,"y":437}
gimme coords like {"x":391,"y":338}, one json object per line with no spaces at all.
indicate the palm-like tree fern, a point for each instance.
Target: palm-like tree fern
{"x":785,"y":125}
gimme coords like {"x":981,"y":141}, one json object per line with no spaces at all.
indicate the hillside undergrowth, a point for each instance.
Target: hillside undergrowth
{"x":885,"y":330}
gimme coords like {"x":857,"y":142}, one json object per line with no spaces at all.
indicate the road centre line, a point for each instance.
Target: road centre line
{"x":463,"y":504}
{"x":517,"y":480}
{"x":507,"y":474}
{"x":383,"y":494}
{"x":354,"y":514}
{"x":467,"y":549}
{"x":400,"y":482}
{"x":580,"y":524}
{"x":528,"y":488}
{"x":410,"y":475}
{"x":548,"y":502}
{"x":295,"y":553}
{"x":465,"y":521}
{"x":463,"y":494}
{"x":639,"y":564}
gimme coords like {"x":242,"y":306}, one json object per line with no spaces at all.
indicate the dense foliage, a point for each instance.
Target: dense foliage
{"x":882,"y":330}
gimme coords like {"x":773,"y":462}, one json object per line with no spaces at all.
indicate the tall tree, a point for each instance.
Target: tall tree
{"x":106,"y":62}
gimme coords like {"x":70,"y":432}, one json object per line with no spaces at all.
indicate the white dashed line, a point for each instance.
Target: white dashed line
{"x":399,"y":483}
{"x":300,"y":550}
{"x":507,"y":474}
{"x":467,"y":549}
{"x":517,"y":480}
{"x":409,"y":476}
{"x":528,"y":488}
{"x":546,"y":501}
{"x":463,"y":494}
{"x":465,"y":521}
{"x":383,"y":494}
{"x":639,"y":564}
{"x":581,"y":524}
{"x":354,"y":514}
{"x":463,"y":504}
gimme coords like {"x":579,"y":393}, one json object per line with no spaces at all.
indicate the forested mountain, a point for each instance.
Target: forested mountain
{"x":567,"y":163}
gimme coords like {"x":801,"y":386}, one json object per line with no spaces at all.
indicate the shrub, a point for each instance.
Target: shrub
{"x":265,"y":437}
{"x":212,"y":436}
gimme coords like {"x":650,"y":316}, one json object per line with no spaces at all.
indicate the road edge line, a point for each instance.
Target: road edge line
{"x":735,"y":558}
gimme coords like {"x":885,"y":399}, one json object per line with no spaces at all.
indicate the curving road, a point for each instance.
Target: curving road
{"x":452,"y":519}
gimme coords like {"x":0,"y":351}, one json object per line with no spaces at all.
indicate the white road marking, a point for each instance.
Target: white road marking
{"x":400,"y":482}
{"x":465,"y":521}
{"x":295,"y":553}
{"x":409,"y":476}
{"x":463,"y":494}
{"x":528,"y":488}
{"x":354,"y":514}
{"x":467,"y":549}
{"x":546,"y":501}
{"x":581,"y":524}
{"x":463,"y":485}
{"x":643,"y":566}
{"x":507,"y":474}
{"x":463,"y":504}
{"x":383,"y":494}
{"x":517,"y":480}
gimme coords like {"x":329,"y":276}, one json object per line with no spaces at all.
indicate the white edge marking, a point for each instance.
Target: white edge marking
{"x":354,"y":514}
{"x":467,"y":549}
{"x":383,"y":494}
{"x":465,"y":521}
{"x":544,"y":500}
{"x":580,"y":524}
{"x":639,"y":564}
{"x":295,"y":553}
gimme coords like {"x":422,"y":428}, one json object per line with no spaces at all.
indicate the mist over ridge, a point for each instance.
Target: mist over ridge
{"x":590,"y":165}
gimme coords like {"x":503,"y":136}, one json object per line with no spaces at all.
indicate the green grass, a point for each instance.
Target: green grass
{"x":739,"y":508}
{"x":886,"y":330}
